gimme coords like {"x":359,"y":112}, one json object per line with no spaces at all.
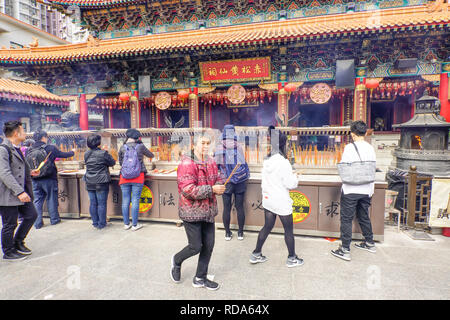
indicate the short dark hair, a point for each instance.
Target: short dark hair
{"x":10,"y":127}
{"x":38,"y":135}
{"x":28,"y":143}
{"x":93,"y":141}
{"x":359,"y":128}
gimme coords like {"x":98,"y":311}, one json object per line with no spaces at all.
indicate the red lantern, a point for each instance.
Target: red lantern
{"x":220,"y":97}
{"x":262,"y":94}
{"x":382,"y":89}
{"x":174,"y":100}
{"x":124,"y":97}
{"x":248,"y":96}
{"x":255,"y":95}
{"x":152,"y":100}
{"x":183,"y":94}
{"x":290,"y":87}
{"x":304,"y":93}
{"x":372,"y":83}
{"x":270,"y":95}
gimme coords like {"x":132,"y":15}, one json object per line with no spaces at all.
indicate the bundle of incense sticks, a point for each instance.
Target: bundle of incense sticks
{"x":43,"y":162}
{"x":310,"y":155}
{"x":231,"y":174}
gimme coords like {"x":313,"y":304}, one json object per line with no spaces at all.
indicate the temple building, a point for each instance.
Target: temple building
{"x":192,"y":63}
{"x":31,"y":104}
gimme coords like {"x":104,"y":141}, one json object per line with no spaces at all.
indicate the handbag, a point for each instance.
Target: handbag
{"x":358,"y":172}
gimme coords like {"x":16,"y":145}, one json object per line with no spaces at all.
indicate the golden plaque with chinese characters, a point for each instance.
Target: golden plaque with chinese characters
{"x":163,"y":100}
{"x":320,"y":93}
{"x":236,"y":94}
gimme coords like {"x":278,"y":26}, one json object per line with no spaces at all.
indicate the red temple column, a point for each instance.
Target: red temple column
{"x":360,"y":101}
{"x":443,"y":92}
{"x":84,"y":118}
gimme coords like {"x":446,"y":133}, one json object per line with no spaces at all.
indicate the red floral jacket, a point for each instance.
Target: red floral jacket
{"x":197,"y":202}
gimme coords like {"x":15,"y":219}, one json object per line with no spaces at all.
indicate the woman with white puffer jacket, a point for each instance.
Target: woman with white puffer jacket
{"x":277,"y":179}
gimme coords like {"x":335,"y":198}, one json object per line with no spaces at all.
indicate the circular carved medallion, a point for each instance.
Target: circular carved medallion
{"x":320,"y":93}
{"x":236,"y":94}
{"x":163,"y":100}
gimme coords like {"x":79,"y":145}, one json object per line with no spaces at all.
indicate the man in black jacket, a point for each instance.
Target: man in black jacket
{"x":47,"y":187}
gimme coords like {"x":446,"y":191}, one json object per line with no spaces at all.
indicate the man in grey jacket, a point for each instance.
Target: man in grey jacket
{"x":16,"y":193}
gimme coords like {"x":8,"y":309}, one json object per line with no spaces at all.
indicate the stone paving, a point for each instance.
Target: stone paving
{"x":72,"y":260}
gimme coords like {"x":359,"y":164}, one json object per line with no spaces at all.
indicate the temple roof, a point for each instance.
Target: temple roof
{"x":25,"y":92}
{"x":330,"y":26}
{"x":90,"y":3}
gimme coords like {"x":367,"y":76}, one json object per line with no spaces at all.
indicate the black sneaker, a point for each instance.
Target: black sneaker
{"x":175,"y":271}
{"x":14,"y":256}
{"x":342,"y":253}
{"x":366,"y":246}
{"x":240,"y":236}
{"x":20,"y":247}
{"x":228,"y":236}
{"x":205,"y":283}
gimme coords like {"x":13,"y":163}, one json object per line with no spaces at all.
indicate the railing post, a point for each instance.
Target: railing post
{"x":412,"y":186}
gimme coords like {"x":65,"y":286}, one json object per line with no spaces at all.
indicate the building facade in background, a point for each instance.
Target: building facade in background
{"x":43,"y":17}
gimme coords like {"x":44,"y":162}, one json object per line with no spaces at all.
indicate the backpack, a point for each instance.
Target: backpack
{"x":9,"y":152}
{"x":34,"y":157}
{"x":242,"y":173}
{"x":131,"y":166}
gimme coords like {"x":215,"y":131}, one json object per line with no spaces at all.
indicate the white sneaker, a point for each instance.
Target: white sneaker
{"x":127,"y":226}
{"x":136,"y":227}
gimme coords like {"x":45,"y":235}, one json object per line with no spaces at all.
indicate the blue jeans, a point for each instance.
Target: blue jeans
{"x":129,"y":189}
{"x":46,"y":189}
{"x":97,"y":207}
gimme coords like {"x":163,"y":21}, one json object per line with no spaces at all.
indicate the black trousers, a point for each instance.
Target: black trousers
{"x":239,"y":192}
{"x":201,"y":238}
{"x":9,"y":220}
{"x":352,"y":204}
{"x":269,"y":222}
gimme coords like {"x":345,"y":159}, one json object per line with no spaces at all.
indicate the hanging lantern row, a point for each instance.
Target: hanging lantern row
{"x":378,"y":90}
{"x":219,"y":97}
{"x":52,"y":119}
{"x":113,"y":103}
{"x":389,"y":90}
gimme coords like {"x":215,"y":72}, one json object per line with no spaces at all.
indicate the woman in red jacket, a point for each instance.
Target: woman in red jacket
{"x":199,"y":181}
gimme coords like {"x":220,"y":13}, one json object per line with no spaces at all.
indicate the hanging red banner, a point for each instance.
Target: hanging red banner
{"x":235,"y":70}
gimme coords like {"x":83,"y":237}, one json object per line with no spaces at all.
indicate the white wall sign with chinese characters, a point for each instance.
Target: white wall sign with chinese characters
{"x":440,"y":203}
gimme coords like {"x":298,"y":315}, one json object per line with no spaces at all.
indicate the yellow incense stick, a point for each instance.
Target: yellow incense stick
{"x":232,"y":172}
{"x":43,"y":162}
